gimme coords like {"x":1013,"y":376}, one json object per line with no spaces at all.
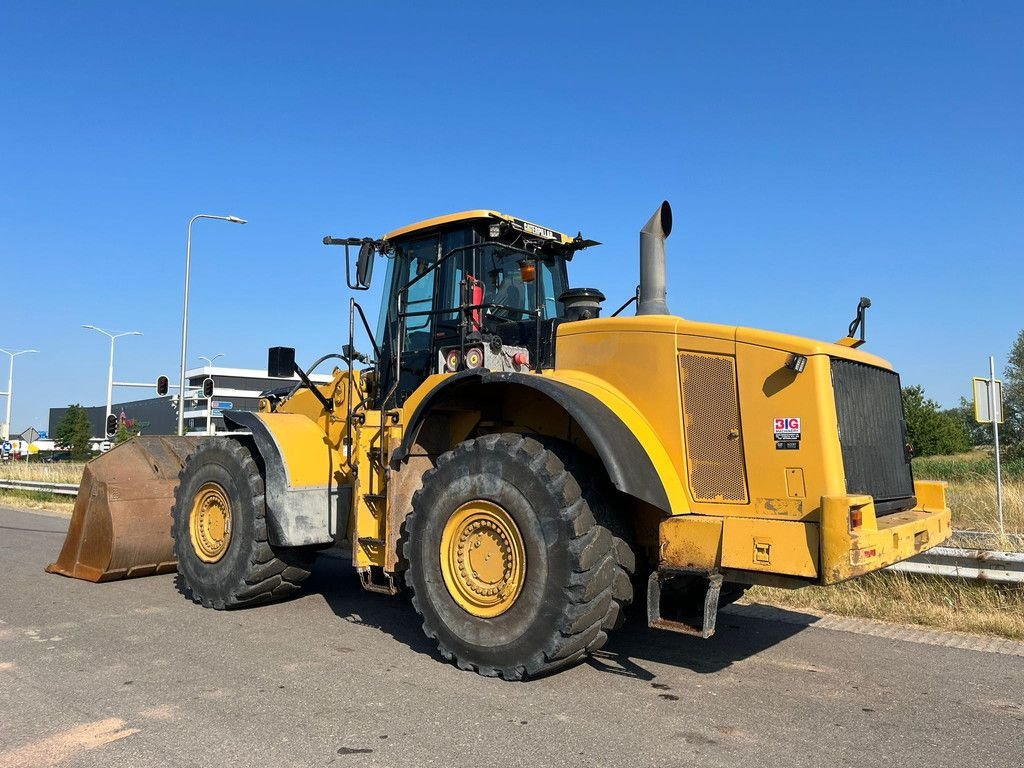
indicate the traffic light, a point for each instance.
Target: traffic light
{"x":162,"y":385}
{"x":111,"y":425}
{"x":207,"y":387}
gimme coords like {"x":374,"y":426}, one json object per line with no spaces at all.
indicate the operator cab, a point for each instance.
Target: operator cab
{"x":477,"y":289}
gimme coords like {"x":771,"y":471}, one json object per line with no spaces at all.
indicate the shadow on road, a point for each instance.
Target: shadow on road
{"x":736,"y":638}
{"x":627,"y":650}
{"x":335,"y":579}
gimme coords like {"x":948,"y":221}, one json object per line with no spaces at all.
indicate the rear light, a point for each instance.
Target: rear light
{"x":856,"y":519}
{"x":474,"y":357}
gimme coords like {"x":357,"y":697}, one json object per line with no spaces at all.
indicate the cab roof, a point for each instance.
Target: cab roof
{"x":481,"y":213}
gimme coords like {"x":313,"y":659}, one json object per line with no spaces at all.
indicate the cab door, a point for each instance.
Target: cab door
{"x":411,"y":335}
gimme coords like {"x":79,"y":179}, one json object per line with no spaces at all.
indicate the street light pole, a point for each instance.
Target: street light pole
{"x":184,"y":314}
{"x":10,"y":386}
{"x":209,"y":401}
{"x":110,"y":369}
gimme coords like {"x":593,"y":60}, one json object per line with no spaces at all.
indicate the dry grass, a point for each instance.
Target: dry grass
{"x":36,"y":500}
{"x":974,"y":505}
{"x":930,"y":601}
{"x":38,"y":471}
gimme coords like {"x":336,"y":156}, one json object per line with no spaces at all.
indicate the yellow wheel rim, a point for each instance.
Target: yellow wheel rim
{"x":483,"y":561}
{"x":210,"y":523}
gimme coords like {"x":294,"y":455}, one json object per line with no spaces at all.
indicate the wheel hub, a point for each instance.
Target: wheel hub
{"x":210,"y":523}
{"x":483,"y":560}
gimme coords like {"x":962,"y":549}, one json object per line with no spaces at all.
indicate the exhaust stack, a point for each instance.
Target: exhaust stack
{"x":652,"y":262}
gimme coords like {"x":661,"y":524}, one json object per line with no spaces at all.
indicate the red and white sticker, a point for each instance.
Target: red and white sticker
{"x":787,"y":428}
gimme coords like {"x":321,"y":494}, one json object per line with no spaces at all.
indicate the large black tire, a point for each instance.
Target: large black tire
{"x":601,"y":496}
{"x":571,"y":571}
{"x":250,"y":571}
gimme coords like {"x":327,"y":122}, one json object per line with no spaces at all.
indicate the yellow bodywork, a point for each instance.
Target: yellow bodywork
{"x":480,"y":213}
{"x":701,"y":399}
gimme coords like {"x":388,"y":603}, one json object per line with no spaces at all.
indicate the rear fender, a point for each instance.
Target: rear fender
{"x":298,"y":471}
{"x":635,"y":460}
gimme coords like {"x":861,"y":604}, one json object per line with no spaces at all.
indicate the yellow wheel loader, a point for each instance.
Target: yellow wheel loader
{"x":526,"y":467}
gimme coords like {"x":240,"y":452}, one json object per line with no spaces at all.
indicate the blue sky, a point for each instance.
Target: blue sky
{"x":812,"y":152}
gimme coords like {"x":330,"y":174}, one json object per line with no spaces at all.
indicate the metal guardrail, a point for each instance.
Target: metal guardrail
{"x":61,"y":489}
{"x":978,"y":564}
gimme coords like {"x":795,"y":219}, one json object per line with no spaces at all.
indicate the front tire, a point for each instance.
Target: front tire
{"x":509,"y":569}
{"x":220,"y":532}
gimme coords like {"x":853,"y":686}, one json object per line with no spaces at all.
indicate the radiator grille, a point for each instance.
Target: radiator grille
{"x":711,"y":417}
{"x":873,"y":434}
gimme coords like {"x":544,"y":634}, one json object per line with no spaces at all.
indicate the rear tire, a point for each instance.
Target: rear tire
{"x":220,"y":532}
{"x":561,"y":559}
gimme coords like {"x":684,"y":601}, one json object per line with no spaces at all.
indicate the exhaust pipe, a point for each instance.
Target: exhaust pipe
{"x":652,"y":262}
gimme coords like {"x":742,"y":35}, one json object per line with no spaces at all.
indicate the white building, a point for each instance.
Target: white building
{"x":233,"y":389}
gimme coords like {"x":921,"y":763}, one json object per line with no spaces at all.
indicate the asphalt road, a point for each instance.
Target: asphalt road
{"x":132,"y":674}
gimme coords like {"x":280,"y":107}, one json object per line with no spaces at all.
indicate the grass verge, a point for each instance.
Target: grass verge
{"x":37,"y":500}
{"x":40,"y":472}
{"x":928,"y":601}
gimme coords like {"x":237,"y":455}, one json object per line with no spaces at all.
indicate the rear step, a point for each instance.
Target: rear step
{"x":699,"y":625}
{"x":389,"y":587}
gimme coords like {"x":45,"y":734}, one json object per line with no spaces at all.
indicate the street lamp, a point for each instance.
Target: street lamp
{"x":209,"y":360}
{"x":110,"y":370}
{"x":184,"y":314}
{"x":10,"y":386}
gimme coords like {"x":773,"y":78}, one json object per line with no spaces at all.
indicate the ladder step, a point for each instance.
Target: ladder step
{"x":369,"y":541}
{"x":375,"y":497}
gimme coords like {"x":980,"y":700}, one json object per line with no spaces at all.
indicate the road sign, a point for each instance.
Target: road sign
{"x":224,"y":405}
{"x":43,"y":435}
{"x":7,"y":446}
{"x":983,"y":400}
{"x":215,"y":414}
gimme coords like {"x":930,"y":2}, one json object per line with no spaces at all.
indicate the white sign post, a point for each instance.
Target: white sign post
{"x":988,"y":409}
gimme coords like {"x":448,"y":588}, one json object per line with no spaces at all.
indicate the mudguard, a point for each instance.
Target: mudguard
{"x":302,"y":509}
{"x":627,"y":462}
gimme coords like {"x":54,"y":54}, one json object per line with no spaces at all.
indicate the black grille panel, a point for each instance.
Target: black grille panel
{"x":872,"y":433}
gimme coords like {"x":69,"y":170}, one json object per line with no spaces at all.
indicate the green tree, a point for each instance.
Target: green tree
{"x":980,"y":434}
{"x":73,"y":432}
{"x":931,"y":431}
{"x":126,"y":429}
{"x":1011,"y":432}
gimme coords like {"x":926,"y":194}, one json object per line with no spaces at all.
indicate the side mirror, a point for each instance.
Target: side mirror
{"x":281,"y":362}
{"x":364,"y":264}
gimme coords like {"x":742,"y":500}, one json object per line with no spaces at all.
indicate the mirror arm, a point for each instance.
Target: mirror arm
{"x":348,"y":241}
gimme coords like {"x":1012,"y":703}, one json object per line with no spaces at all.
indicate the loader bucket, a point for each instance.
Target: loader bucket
{"x":121,"y":524}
